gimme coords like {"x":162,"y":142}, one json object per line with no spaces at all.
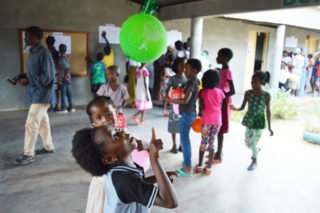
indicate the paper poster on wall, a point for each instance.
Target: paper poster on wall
{"x":291,"y":42}
{"x":173,"y":36}
{"x":113,"y":34}
{"x":61,"y":39}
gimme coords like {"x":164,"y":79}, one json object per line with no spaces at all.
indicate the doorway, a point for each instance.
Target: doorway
{"x":261,"y":51}
{"x":258,"y":43}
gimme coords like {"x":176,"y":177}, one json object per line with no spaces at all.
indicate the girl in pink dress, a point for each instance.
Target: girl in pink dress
{"x":143,"y":98}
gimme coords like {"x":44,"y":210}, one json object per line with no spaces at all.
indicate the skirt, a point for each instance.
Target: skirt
{"x":173,"y":123}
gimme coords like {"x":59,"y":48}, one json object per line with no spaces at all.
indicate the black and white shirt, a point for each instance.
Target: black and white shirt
{"x":127,"y":191}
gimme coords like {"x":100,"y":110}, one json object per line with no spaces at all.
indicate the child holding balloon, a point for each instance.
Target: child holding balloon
{"x":254,"y":120}
{"x":187,"y":108}
{"x":211,"y":98}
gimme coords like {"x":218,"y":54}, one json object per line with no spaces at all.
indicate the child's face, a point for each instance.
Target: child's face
{"x":221,"y":59}
{"x":255,"y":83}
{"x":190,"y":72}
{"x":112,"y":75}
{"x":114,"y":148}
{"x":62,"y":49}
{"x":103,"y":114}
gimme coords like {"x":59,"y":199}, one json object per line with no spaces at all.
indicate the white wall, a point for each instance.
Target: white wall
{"x":220,"y":32}
{"x":81,"y":15}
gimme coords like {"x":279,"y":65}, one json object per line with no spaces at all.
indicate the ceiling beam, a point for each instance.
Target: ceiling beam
{"x":222,"y":7}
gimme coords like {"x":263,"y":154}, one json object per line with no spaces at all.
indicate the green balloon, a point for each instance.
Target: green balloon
{"x":143,"y":38}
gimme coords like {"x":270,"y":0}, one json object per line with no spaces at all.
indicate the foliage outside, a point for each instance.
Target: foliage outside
{"x":282,"y":106}
{"x":313,"y":124}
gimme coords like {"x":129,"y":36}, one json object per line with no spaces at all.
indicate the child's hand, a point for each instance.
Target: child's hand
{"x":271,"y":132}
{"x":23,"y":81}
{"x":155,"y":146}
{"x":232,"y":107}
{"x":140,"y":145}
{"x":103,"y":34}
{"x":171,"y":175}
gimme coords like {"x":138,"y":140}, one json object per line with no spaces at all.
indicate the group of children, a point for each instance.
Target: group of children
{"x":104,"y":150}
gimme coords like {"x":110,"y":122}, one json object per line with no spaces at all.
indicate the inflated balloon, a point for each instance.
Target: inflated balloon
{"x":143,"y":38}
{"x":141,"y":158}
{"x":196,"y":125}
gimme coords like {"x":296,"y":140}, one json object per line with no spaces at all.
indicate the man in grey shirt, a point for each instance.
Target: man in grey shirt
{"x":39,"y":95}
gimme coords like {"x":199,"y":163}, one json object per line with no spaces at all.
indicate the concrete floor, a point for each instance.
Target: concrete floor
{"x":286,"y":180}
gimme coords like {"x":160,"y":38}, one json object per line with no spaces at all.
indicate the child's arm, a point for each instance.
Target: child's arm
{"x":146,"y":87}
{"x":243,"y":105}
{"x":104,"y":36}
{"x":166,"y":195}
{"x":171,"y":174}
{"x":200,"y":107}
{"x":269,"y":114}
{"x":232,"y":90}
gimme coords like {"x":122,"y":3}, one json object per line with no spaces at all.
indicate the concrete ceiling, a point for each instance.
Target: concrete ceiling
{"x":166,"y":3}
{"x":308,"y":17}
{"x":179,"y":9}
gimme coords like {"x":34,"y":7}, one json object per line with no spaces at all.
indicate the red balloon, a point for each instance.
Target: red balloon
{"x":196,"y":125}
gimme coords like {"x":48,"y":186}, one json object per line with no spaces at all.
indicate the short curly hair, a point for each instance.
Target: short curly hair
{"x":36,"y":31}
{"x":195,"y":64}
{"x":87,"y":153}
{"x":226,"y":52}
{"x":97,"y":100}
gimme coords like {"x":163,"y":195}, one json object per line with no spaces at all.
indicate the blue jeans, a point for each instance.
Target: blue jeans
{"x":66,"y":94}
{"x":303,"y":82}
{"x":185,"y":123}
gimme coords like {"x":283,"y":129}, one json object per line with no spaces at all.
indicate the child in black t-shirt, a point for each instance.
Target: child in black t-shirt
{"x":99,"y":152}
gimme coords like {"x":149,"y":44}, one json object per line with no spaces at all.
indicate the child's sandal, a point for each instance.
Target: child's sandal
{"x":197,"y":170}
{"x":207,"y":171}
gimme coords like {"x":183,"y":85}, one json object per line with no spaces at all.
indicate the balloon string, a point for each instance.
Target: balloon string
{"x":149,"y":7}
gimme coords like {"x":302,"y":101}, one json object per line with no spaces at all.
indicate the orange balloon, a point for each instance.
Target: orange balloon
{"x":196,"y":125}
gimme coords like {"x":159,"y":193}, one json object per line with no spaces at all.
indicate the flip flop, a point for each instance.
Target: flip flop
{"x":182,"y":173}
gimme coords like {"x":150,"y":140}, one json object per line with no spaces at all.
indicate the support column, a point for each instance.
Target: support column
{"x":196,"y":36}
{"x":275,"y":73}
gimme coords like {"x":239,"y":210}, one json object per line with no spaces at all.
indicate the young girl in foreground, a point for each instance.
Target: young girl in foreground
{"x":258,"y":101}
{"x":211,"y":99}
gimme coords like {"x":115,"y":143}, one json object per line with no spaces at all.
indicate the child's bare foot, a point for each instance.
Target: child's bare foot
{"x":144,"y":122}
{"x":217,"y":158}
{"x":207,"y":171}
{"x":197,"y":169}
{"x":135,"y":120}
